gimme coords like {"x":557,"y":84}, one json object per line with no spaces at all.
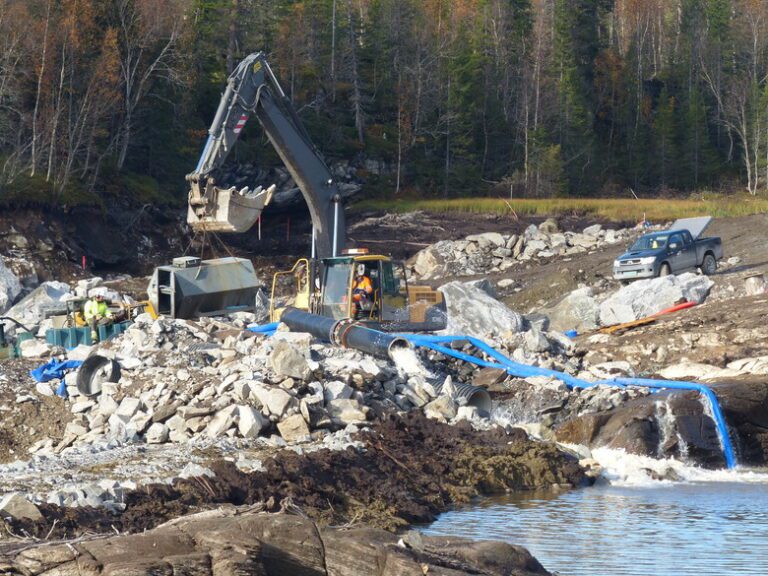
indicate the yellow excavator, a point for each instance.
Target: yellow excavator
{"x":326,"y":282}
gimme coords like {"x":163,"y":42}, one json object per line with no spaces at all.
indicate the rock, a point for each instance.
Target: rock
{"x":549,"y":226}
{"x":429,"y":263}
{"x":293,"y":428}
{"x":193,"y":470}
{"x":15,"y":506}
{"x":346,"y":412}
{"x":576,"y":311}
{"x":442,"y":408}
{"x":644,"y":298}
{"x":300,"y":340}
{"x":593,"y":230}
{"x":29,"y":311}
{"x":34,"y":349}
{"x":289,"y":361}
{"x":157,"y":434}
{"x":336,"y":390}
{"x":127,"y":408}
{"x":471,"y":311}
{"x":81,"y":352}
{"x":44,"y":388}
{"x":10,"y":287}
{"x":488,"y":377}
{"x":276,"y":400}
{"x":536,"y":342}
{"x":251,"y":422}
{"x":505,"y":283}
{"x":755,"y":285}
{"x":488,"y":238}
{"x":222,"y":421}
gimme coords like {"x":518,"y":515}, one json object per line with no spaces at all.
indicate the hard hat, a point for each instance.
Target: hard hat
{"x":361,"y":269}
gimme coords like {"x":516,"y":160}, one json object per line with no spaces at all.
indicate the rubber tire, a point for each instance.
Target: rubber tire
{"x":709,"y":265}
{"x":665,"y":270}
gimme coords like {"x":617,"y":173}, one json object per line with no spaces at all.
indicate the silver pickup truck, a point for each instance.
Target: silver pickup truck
{"x":672,"y":251}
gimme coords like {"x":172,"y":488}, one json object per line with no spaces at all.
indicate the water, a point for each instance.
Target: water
{"x":705,"y":524}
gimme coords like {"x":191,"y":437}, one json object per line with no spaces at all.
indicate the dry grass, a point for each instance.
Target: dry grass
{"x":619,"y":210}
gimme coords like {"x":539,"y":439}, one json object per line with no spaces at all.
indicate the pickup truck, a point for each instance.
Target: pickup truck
{"x":672,"y":251}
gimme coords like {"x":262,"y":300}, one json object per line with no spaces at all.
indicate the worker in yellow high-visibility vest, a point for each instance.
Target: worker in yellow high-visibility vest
{"x":96,"y":313}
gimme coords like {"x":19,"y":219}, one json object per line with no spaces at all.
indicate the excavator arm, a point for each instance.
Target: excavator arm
{"x":253,"y":90}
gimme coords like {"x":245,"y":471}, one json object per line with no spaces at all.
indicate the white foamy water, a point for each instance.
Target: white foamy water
{"x":408,"y":363}
{"x":623,"y":469}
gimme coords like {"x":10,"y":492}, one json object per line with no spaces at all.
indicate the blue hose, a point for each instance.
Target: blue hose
{"x":265,"y":329}
{"x":513,"y":368}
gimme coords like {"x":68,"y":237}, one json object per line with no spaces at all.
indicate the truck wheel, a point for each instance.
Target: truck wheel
{"x":709,"y":266}
{"x":665,"y":270}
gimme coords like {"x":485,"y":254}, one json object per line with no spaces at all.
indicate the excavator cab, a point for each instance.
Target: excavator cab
{"x":391,"y":304}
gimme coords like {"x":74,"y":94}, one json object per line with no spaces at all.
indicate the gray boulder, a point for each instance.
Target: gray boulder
{"x":289,"y":360}
{"x":473,"y":312}
{"x":576,"y":311}
{"x":49,"y":295}
{"x":10,"y":287}
{"x":647,"y":297}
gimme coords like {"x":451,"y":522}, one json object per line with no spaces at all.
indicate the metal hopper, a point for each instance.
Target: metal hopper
{"x":191,"y":287}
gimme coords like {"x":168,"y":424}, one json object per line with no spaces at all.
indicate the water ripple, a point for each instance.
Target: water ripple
{"x":683,"y":529}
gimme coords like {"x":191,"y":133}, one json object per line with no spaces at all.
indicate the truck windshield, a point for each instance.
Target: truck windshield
{"x":650,"y":243}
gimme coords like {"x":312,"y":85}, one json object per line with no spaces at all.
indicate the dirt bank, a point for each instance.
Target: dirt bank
{"x":410,"y":470}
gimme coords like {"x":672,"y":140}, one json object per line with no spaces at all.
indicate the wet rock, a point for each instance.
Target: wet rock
{"x":243,"y":541}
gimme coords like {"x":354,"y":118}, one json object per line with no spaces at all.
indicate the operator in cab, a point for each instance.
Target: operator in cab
{"x":96,"y":313}
{"x":362,"y":290}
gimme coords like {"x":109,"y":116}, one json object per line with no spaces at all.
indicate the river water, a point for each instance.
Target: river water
{"x":704,"y":523}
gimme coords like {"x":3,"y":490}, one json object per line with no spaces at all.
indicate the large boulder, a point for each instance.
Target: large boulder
{"x":678,"y":424}
{"x":431,"y":262}
{"x":10,"y":287}
{"x":473,"y":312}
{"x":576,"y":311}
{"x":648,"y":297}
{"x":47,"y":296}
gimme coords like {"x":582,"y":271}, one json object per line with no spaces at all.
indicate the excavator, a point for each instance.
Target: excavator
{"x":325,"y":283}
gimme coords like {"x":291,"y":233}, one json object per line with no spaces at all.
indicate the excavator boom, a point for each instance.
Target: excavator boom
{"x":253,"y":90}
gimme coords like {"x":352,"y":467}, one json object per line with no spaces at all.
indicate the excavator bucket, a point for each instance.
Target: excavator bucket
{"x":229,"y":210}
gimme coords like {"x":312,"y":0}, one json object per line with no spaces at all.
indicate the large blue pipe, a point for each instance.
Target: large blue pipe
{"x":524,"y":371}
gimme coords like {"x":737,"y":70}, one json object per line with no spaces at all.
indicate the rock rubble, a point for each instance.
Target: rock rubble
{"x":494,"y":252}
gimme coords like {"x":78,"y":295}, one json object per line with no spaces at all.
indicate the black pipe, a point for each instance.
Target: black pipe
{"x":319,"y":326}
{"x":345,"y":333}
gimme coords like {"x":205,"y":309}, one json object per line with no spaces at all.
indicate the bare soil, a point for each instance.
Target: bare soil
{"x":410,"y":469}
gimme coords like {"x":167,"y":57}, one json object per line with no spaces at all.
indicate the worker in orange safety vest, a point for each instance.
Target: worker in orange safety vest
{"x":362,"y":289}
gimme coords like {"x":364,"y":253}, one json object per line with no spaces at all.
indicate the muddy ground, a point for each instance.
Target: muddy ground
{"x":409,"y":470}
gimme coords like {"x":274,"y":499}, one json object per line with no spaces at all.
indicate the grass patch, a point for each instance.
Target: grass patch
{"x":618,"y":210}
